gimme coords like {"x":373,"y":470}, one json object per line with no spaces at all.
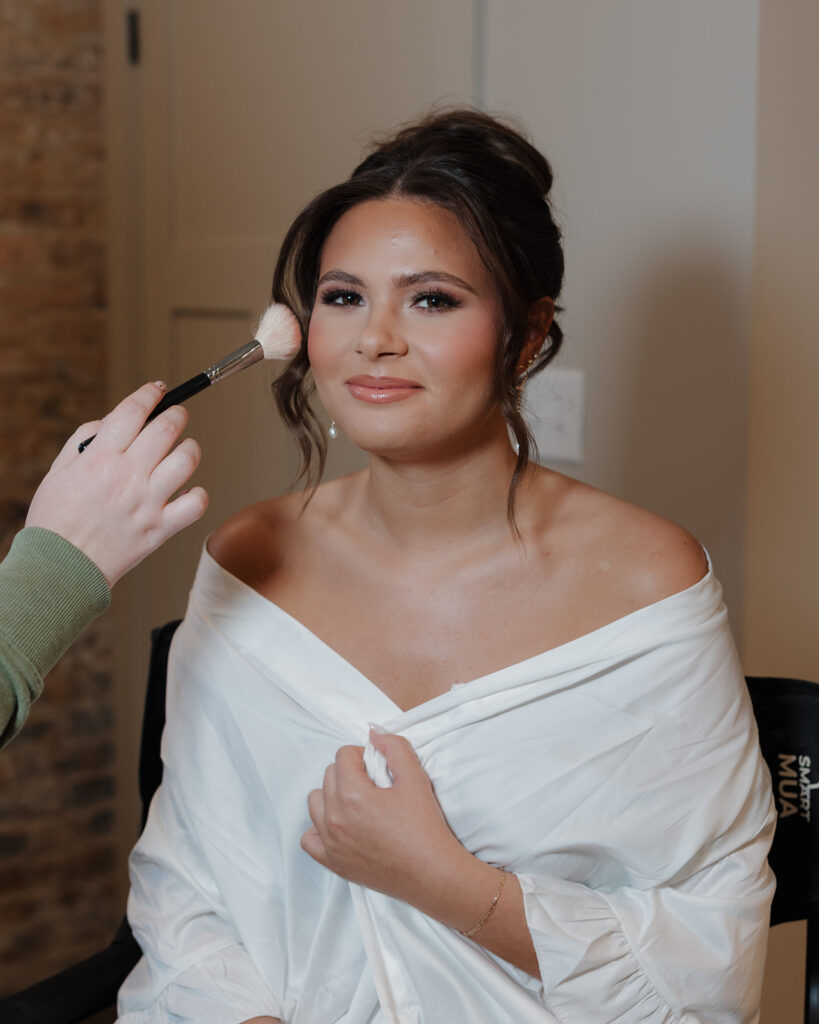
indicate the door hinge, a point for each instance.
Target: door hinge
{"x":132,"y":36}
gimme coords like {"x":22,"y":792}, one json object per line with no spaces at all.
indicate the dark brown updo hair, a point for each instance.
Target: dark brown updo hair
{"x":497,"y":185}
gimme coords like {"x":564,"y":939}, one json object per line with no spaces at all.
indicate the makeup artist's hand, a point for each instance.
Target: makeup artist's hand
{"x":387,"y":839}
{"x":112,"y":501}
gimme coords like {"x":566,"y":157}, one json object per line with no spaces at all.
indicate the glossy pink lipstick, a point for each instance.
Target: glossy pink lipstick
{"x":381,"y":389}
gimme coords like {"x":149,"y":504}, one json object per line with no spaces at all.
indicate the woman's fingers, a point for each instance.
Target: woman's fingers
{"x":400,"y":755}
{"x":311,"y":843}
{"x":329,"y":786}
{"x":315,"y":808}
{"x":350,"y":761}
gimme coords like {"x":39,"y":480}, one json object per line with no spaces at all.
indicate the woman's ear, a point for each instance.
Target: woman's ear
{"x":541,"y":314}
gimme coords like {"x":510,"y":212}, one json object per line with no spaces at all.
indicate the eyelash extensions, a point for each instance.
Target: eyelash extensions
{"x":448,"y":301}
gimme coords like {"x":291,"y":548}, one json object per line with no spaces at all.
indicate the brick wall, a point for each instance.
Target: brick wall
{"x":57,"y":871}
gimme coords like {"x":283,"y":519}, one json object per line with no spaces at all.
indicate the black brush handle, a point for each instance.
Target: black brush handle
{"x":175,"y":396}
{"x":181,"y":393}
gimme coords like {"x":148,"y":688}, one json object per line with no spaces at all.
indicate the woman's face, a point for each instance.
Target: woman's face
{"x":404,"y":330}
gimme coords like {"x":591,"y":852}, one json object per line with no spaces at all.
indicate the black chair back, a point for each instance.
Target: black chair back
{"x":153,"y":721}
{"x":787,"y":714}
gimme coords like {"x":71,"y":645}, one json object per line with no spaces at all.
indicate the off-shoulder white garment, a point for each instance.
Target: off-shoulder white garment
{"x":618,"y":776}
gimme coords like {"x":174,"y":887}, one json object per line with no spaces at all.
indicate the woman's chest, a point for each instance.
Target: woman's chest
{"x":415,"y":636}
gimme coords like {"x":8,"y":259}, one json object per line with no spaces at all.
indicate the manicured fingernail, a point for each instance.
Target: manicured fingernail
{"x":161,"y":385}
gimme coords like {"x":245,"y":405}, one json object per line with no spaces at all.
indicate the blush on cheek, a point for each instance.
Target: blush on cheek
{"x":312,"y":340}
{"x":471,"y":350}
{"x":321,"y":345}
{"x":330,"y":333}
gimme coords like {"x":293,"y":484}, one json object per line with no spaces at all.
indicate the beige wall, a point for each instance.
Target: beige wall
{"x":647,"y":111}
{"x":782,"y":550}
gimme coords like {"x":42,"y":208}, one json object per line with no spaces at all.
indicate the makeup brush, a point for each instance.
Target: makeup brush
{"x":278,"y":336}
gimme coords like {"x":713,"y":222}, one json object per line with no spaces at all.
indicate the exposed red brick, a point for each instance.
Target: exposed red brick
{"x":57,"y":799}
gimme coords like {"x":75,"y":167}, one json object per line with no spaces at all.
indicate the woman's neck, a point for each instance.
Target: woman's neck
{"x":428,"y":505}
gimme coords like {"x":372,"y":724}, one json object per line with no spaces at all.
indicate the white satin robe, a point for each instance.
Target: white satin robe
{"x":619,"y":776}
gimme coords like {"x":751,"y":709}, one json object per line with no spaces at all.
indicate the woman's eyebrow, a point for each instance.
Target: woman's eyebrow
{"x":428,"y":277}
{"x":341,"y":276}
{"x":400,"y":280}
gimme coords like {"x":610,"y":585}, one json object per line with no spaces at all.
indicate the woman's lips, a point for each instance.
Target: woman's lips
{"x":381,"y":389}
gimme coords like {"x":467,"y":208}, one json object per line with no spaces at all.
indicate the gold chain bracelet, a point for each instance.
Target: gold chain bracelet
{"x":477,"y":927}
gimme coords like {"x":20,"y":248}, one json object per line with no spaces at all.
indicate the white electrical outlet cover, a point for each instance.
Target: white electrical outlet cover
{"x":553,"y":405}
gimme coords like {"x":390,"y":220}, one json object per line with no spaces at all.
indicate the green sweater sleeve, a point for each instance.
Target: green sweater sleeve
{"x":49,"y":592}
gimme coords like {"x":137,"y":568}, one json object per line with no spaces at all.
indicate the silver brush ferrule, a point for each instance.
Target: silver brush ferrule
{"x":247,"y":355}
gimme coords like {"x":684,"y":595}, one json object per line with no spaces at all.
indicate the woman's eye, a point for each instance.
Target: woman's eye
{"x":435,"y":301}
{"x":341,"y":298}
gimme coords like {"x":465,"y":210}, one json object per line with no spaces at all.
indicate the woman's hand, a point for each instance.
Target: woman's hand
{"x":388,"y":839}
{"x":113,"y":501}
{"x":397,"y":841}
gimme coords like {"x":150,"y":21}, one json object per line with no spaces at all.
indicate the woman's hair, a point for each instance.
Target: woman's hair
{"x":497,"y":185}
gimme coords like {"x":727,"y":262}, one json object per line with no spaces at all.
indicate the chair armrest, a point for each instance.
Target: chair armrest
{"x":78,"y":992}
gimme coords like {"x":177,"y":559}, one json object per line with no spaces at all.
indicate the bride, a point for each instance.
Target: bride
{"x":455,"y":737}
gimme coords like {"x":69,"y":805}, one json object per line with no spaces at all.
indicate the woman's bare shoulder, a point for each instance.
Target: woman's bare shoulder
{"x":646,"y":556}
{"x":250,"y":543}
{"x":254,"y":543}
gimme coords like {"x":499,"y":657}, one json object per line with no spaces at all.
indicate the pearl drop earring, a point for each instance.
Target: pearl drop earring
{"x":332,"y":430}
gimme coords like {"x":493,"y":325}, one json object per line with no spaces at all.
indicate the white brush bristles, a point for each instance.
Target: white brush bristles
{"x":278,"y":332}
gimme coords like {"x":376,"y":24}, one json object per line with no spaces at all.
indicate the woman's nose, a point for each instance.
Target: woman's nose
{"x":381,"y":336}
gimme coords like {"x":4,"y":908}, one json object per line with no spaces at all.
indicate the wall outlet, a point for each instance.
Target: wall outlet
{"x":553,"y":406}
